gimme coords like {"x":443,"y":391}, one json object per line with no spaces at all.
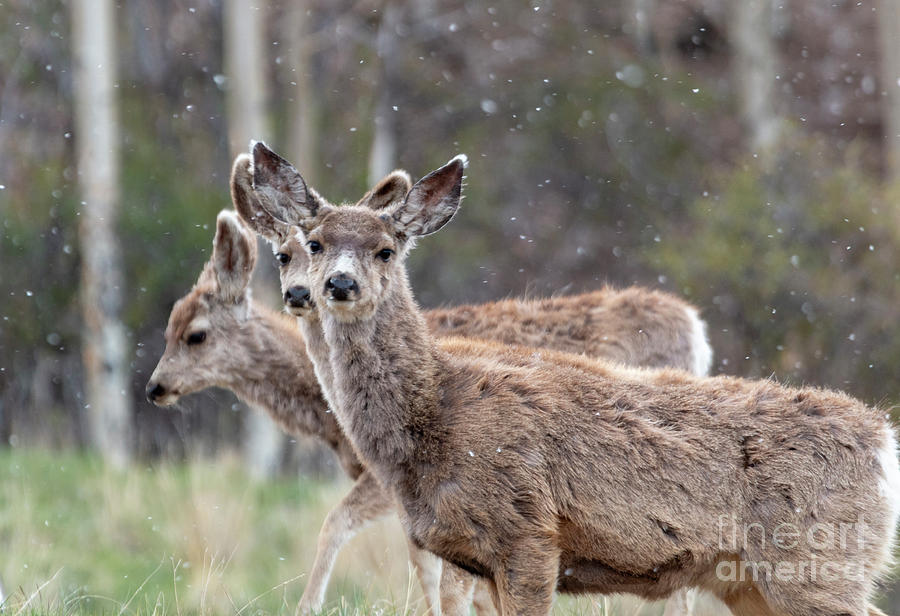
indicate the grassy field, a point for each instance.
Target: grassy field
{"x":77,"y":537}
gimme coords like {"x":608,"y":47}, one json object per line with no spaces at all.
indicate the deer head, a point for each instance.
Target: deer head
{"x":280,"y":191}
{"x":200,"y":345}
{"x":288,"y":250}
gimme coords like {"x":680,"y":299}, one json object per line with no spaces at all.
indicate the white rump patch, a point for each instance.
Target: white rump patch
{"x":889,"y":486}
{"x":700,"y":349}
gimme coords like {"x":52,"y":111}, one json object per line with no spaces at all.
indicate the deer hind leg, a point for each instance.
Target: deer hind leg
{"x":428,"y":571}
{"x":365,"y":503}
{"x":797,"y":600}
{"x":749,"y":602}
{"x":681,"y":603}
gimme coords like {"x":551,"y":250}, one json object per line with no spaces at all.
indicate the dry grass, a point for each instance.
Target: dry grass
{"x":77,"y":537}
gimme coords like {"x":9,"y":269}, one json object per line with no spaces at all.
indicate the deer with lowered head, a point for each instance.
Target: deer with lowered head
{"x":633,"y":326}
{"x":545,"y":471}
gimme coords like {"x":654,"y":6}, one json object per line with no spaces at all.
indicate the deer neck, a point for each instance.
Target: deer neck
{"x":279,"y":377}
{"x":385,"y":384}
{"x":317,"y":351}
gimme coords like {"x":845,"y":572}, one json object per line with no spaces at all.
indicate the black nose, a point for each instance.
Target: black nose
{"x":341,"y":286}
{"x":154,"y":391}
{"x":296,"y":297}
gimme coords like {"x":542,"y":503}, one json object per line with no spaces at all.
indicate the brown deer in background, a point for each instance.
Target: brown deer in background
{"x":546,"y":471}
{"x":634,"y":326}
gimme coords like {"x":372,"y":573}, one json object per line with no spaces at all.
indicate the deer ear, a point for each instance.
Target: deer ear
{"x":207,"y":277}
{"x":281,"y":191}
{"x":234,"y":256}
{"x":392,"y":188}
{"x":432,"y":202}
{"x":244,"y":200}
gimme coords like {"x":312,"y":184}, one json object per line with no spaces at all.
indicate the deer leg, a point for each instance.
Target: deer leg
{"x":483,"y":601}
{"x":365,"y":503}
{"x":832,"y":596}
{"x":460,"y":589}
{"x":681,"y":603}
{"x":527,"y":583}
{"x":457,"y":587}
{"x":428,"y":572}
{"x":748,"y":602}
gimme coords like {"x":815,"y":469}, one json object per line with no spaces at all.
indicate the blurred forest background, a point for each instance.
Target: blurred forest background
{"x":744,"y":154}
{"x":741,"y":154}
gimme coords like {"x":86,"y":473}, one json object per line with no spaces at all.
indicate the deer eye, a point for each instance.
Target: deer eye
{"x":314,"y":246}
{"x":196,"y":338}
{"x":283,"y":258}
{"x":384,"y":254}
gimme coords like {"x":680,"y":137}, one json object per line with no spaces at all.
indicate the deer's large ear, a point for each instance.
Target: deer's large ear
{"x":234,"y":256}
{"x":281,"y":191}
{"x":432,"y":202}
{"x":392,"y":188}
{"x":245,"y":202}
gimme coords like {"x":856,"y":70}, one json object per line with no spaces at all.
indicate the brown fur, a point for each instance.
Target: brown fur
{"x":261,"y":356}
{"x":635,"y":326}
{"x":543,"y":470}
{"x":251,"y":350}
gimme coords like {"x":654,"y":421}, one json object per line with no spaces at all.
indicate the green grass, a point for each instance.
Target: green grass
{"x":77,"y":537}
{"x":201,"y":538}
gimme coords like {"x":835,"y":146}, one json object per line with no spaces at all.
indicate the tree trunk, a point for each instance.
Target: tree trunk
{"x":246,"y":70}
{"x":889,"y":44}
{"x":383,"y":155}
{"x":641,"y":24}
{"x":303,"y":108}
{"x":755,"y":68}
{"x":104,"y":345}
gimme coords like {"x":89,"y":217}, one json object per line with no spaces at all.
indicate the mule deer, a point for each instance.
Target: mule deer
{"x":545,"y":471}
{"x":219,"y":336}
{"x":635,"y":326}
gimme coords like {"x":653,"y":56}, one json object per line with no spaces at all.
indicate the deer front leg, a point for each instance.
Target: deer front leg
{"x":428,"y":571}
{"x":365,"y":503}
{"x":460,"y":589}
{"x":483,"y":599}
{"x":457,"y":587}
{"x":527,"y":581}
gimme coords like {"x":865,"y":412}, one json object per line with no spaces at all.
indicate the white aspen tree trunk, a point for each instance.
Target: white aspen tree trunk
{"x":104,"y":343}
{"x":642,"y":25}
{"x":888,"y":12}
{"x":755,"y":70}
{"x":304,"y":107}
{"x":246,"y":70}
{"x":383,"y":154}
